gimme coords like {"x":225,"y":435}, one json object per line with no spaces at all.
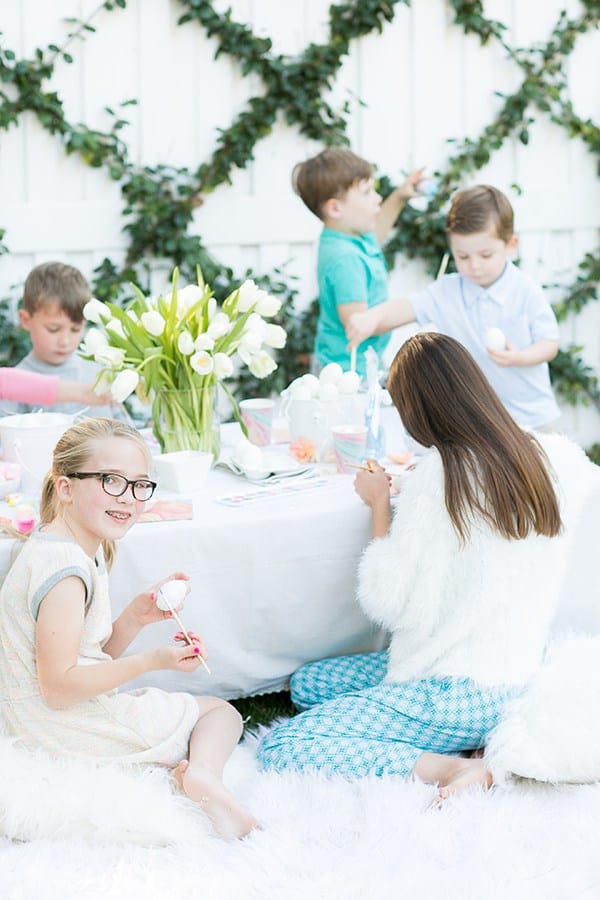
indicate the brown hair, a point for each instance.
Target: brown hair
{"x":329,"y":174}
{"x":492,"y":468}
{"x":71,"y":453}
{"x":55,"y":282}
{"x":481,"y":208}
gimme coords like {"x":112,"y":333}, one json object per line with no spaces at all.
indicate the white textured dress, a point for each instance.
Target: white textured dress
{"x":142,"y":726}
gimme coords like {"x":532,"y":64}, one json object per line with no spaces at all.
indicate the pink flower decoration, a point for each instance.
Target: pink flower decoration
{"x":303,"y":450}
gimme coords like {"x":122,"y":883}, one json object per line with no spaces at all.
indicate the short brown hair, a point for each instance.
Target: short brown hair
{"x":329,"y":174}
{"x":493,"y":470}
{"x":481,"y":208}
{"x":55,"y":282}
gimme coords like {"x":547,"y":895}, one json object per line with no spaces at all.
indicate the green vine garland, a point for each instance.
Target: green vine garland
{"x":160,"y":201}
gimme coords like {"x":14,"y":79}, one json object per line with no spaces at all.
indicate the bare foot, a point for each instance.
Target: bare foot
{"x":473,"y":772}
{"x":229,"y":818}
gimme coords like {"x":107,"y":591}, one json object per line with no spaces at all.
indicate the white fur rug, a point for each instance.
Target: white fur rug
{"x":89,"y":830}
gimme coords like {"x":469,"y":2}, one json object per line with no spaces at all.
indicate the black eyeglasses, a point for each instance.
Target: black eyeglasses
{"x":116,"y":485}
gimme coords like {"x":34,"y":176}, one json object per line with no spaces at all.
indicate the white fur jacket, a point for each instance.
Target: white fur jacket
{"x":482,"y":610}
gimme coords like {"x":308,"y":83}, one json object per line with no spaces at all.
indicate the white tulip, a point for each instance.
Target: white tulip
{"x":202,"y":362}
{"x":211,"y":308}
{"x":204,"y":342}
{"x":262,"y":364}
{"x":124,"y":384}
{"x":110,"y":356}
{"x":185,"y":343}
{"x":223,"y":365}
{"x":268,"y":306}
{"x":115,"y":326}
{"x":257,"y":325}
{"x":153,"y":322}
{"x":92,"y":342}
{"x":275,"y":337}
{"x":219,"y":327}
{"x":249,"y":295}
{"x":103,"y":383}
{"x":96,"y":311}
{"x":186,"y":297}
{"x":249,"y":345}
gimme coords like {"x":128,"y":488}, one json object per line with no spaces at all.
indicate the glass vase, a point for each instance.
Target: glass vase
{"x":188,"y":420}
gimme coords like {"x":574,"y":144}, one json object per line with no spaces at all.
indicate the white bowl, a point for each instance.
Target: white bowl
{"x":184,"y":471}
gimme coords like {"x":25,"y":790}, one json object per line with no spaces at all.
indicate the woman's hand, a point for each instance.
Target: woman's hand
{"x":143,"y":607}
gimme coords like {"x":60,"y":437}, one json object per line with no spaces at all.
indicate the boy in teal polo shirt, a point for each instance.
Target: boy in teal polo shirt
{"x":338,"y":187}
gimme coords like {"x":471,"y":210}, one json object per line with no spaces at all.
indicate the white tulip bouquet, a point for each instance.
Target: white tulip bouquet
{"x":174,"y":350}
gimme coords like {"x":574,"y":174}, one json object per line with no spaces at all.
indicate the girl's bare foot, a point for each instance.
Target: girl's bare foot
{"x":229,"y":818}
{"x":472,"y":772}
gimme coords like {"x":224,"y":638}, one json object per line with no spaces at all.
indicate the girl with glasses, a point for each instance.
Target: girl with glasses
{"x":61,"y":657}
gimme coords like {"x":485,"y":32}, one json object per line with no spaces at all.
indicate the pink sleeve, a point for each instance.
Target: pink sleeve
{"x":28,"y":387}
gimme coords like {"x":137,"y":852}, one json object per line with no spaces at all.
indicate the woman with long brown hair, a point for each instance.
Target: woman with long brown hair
{"x":465,"y":575}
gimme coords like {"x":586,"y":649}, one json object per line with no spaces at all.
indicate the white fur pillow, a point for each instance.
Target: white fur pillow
{"x":552,"y":732}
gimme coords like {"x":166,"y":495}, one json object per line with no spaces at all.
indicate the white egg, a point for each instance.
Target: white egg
{"x":301,"y":393}
{"x":312,"y":383}
{"x":329,"y":391}
{"x":171,"y":594}
{"x":331,"y":373}
{"x":495,"y":339}
{"x":349,"y":383}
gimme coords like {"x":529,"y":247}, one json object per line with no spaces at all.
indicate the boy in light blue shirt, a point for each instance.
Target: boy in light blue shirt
{"x":338,"y":187}
{"x":496,"y":311}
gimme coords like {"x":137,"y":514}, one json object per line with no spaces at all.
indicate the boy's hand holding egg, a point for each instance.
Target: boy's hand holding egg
{"x":499,"y":349}
{"x":495,"y":340}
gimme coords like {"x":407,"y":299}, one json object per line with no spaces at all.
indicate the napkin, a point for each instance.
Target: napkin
{"x":263,"y":465}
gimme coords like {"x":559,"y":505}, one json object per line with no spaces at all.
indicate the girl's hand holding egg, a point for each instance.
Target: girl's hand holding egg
{"x":145,"y":607}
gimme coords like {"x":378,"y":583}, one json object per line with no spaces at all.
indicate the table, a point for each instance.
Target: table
{"x":273,"y":582}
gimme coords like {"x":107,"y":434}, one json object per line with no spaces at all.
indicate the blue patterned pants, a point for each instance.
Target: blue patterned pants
{"x":355,"y":725}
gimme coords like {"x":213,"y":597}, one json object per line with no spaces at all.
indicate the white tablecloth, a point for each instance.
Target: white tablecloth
{"x":273,"y":582}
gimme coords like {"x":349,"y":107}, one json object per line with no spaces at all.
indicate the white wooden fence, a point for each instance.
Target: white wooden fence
{"x":419,"y":83}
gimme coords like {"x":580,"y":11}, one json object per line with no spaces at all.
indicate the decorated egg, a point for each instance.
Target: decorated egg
{"x":331,"y":373}
{"x":349,"y":383}
{"x":495,"y":339}
{"x":171,"y":594}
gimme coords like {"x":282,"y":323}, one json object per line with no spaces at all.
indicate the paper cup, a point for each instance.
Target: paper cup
{"x":257,"y":415}
{"x":349,"y":446}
